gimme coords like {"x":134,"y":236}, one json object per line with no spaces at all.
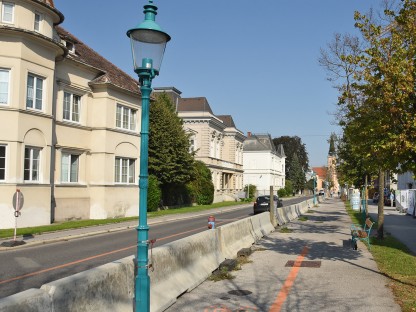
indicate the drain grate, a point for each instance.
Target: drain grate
{"x":240,"y":292}
{"x":305,"y":264}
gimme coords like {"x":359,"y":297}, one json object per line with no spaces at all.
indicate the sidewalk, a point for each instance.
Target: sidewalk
{"x":51,"y":237}
{"x":331,"y":277}
{"x":397,"y":224}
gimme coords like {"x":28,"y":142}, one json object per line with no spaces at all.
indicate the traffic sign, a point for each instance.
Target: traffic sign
{"x":18,"y":200}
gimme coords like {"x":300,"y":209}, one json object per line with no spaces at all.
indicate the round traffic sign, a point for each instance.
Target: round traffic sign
{"x":18,"y":200}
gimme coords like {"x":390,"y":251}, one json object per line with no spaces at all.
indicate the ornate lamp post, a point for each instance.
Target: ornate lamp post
{"x":148,"y":43}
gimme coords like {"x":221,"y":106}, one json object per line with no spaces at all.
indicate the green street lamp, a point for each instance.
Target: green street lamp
{"x":148,"y":43}
{"x":314,"y":188}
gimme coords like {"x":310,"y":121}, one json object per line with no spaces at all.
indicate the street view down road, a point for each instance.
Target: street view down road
{"x":31,"y":267}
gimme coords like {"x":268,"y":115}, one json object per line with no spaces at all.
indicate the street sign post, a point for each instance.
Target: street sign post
{"x":18,"y":201}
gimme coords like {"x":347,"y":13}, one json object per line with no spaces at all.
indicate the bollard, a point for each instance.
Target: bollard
{"x":211,"y":222}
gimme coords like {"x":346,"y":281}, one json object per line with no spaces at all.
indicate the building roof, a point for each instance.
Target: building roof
{"x":227,"y":120}
{"x":320,"y":171}
{"x":110,"y":74}
{"x":196,"y":104}
{"x":48,"y":2}
{"x":281,"y":150}
{"x":259,"y":142}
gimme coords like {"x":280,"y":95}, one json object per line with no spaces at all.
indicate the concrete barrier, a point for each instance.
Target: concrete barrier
{"x":182,"y":265}
{"x":107,"y":288}
{"x":31,"y":300}
{"x":243,"y":233}
{"x":261,"y":225}
{"x":289,"y":213}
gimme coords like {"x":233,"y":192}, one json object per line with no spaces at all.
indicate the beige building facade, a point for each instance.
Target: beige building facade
{"x":69,"y":123}
{"x":216,"y":141}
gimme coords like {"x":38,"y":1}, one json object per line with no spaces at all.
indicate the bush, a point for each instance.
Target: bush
{"x":201,"y":189}
{"x":154,"y":194}
{"x":252,"y":189}
{"x":281,"y":192}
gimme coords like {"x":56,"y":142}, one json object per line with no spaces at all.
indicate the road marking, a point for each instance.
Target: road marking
{"x":284,"y":292}
{"x":65,"y":265}
{"x":90,"y":258}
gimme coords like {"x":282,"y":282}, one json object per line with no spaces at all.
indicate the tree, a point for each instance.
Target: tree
{"x":310,"y":185}
{"x":288,"y":187}
{"x":379,"y":106}
{"x":169,"y":157}
{"x":293,"y":146}
{"x":296,"y":174}
{"x":251,"y":189}
{"x":154,"y":194}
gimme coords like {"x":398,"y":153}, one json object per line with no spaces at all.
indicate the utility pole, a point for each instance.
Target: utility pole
{"x":272,"y":207}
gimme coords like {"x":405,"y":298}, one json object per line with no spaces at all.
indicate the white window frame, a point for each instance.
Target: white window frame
{"x":3,"y":169}
{"x":128,"y":175}
{"x":32,"y":95}
{"x":7,"y":82}
{"x":34,"y":164}
{"x":37,"y":24}
{"x":123,"y":112}
{"x":67,"y":174}
{"x":73,"y":115}
{"x":3,"y":12}
{"x":192,"y":144}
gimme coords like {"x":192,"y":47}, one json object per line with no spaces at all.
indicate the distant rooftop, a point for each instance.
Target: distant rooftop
{"x":196,"y":104}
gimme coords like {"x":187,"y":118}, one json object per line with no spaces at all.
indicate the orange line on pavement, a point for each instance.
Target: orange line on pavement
{"x":284,"y":292}
{"x":89,"y":258}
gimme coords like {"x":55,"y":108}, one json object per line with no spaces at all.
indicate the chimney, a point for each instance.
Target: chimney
{"x":248,"y":134}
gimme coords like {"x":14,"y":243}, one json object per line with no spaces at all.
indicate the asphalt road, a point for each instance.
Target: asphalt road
{"x":31,"y":267}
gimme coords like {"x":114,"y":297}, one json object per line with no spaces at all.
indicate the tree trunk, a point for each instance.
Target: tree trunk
{"x":380,"y":226}
{"x":366,"y":196}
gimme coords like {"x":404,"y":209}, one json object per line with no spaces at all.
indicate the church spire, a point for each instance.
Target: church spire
{"x":331,"y":151}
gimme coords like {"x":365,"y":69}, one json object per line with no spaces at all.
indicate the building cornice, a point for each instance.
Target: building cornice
{"x":43,"y":38}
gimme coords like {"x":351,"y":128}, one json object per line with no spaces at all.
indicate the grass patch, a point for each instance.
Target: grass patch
{"x":241,"y":261}
{"x":76,"y":224}
{"x":396,"y":262}
{"x":311,"y":211}
{"x":220,"y":275}
{"x":285,"y":230}
{"x":303,"y":218}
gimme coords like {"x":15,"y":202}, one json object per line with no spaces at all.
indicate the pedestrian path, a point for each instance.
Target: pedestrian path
{"x":328,"y":276}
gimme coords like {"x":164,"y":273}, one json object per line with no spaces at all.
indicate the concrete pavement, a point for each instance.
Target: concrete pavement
{"x":331,"y":277}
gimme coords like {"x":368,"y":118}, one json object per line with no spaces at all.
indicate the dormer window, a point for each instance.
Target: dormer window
{"x":70,"y":46}
{"x":38,"y":21}
{"x":7,"y":12}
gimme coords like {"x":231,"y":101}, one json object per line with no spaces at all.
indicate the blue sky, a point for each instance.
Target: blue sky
{"x":254,"y":60}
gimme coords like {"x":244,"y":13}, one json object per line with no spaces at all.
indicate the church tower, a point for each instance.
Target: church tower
{"x":331,"y":165}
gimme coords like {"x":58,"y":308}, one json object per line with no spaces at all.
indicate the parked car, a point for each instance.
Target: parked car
{"x":375,"y":197}
{"x":262,"y":203}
